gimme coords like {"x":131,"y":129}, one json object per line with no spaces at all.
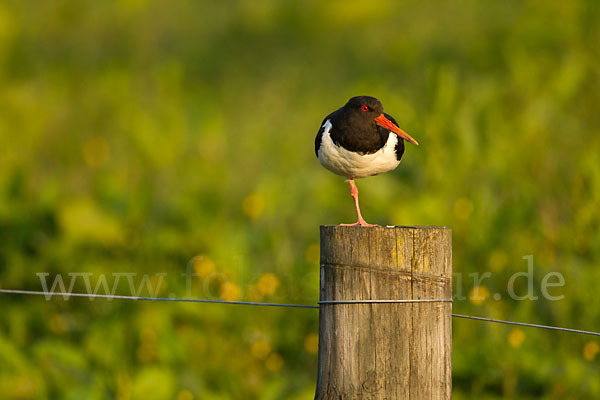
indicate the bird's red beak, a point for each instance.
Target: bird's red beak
{"x":387,"y":124}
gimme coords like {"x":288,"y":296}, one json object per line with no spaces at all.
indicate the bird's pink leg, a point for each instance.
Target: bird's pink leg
{"x":354,"y":193}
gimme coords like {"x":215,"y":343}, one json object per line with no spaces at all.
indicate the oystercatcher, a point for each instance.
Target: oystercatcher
{"x":360,"y":140}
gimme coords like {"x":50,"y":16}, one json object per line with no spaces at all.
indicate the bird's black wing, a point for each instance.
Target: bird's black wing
{"x":320,"y":135}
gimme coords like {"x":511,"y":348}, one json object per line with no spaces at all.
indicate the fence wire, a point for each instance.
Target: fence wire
{"x":326,"y":302}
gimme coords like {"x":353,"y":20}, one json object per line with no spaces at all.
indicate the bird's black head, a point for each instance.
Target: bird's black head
{"x":364,"y":113}
{"x":367,"y":105}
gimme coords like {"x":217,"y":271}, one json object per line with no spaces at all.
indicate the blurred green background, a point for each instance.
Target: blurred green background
{"x":147,"y":137}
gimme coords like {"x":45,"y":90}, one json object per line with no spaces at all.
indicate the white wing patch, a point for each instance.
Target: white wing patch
{"x":354,"y":165}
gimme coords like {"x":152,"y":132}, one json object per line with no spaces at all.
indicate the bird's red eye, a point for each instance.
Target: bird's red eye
{"x":364,"y":108}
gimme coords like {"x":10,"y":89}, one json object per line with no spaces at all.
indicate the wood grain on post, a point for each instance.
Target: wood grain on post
{"x":386,"y":351}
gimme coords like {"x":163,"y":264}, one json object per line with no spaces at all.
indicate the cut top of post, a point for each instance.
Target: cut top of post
{"x":415,"y":250}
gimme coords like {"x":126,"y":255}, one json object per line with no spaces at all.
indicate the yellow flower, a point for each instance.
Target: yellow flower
{"x":260,"y":349}
{"x":203,"y":266}
{"x":7,"y":22}
{"x":253,"y":205}
{"x":83,"y":219}
{"x":590,"y":350}
{"x":311,"y":343}
{"x":267,"y":284}
{"x":498,"y":260}
{"x":230,"y":291}
{"x":516,"y":337}
{"x":478,"y":294}
{"x":58,"y":324}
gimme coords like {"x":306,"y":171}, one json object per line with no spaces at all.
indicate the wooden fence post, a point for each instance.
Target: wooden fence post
{"x":389,"y":351}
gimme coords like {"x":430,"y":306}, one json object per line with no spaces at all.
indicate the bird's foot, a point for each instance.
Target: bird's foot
{"x":359,"y":223}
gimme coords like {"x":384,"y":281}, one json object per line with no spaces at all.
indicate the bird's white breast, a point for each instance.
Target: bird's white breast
{"x":355,"y":165}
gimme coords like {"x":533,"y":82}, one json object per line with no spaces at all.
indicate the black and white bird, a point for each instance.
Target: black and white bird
{"x":360,"y":140}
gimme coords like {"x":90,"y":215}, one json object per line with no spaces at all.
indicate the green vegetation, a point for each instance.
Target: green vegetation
{"x":142,"y":136}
